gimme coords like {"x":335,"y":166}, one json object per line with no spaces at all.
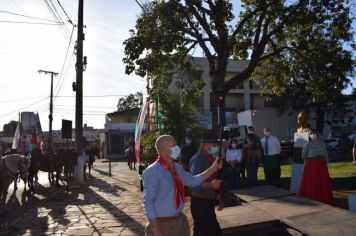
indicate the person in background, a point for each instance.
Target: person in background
{"x":234,"y":159}
{"x":271,"y":150}
{"x":257,"y":140}
{"x":130,"y":155}
{"x":252,"y":153}
{"x":354,"y":153}
{"x":85,"y":160}
{"x":204,"y":197}
{"x":164,"y":194}
{"x":316,"y":183}
{"x":189,"y":148}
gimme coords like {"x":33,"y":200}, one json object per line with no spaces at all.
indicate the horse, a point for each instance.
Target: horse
{"x":70,"y":160}
{"x":10,"y":166}
{"x":93,"y":152}
{"x":47,"y":163}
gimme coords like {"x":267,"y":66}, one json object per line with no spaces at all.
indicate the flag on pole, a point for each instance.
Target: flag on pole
{"x":38,"y":125}
{"x":139,"y":126}
{"x":152,"y":114}
{"x":17,"y":136}
{"x":34,"y":140}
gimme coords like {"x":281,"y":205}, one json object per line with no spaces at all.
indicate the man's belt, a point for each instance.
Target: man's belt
{"x":169,"y":218}
{"x":203,"y":195}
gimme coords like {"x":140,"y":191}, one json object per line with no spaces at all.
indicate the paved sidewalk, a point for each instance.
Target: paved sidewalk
{"x":103,"y":206}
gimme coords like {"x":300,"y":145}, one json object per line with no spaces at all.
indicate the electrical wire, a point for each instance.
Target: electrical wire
{"x":21,"y":99}
{"x":69,"y":20}
{"x":29,"y":23}
{"x":31,"y":17}
{"x":17,"y":110}
{"x":57,"y":18}
{"x":65,"y":59}
{"x":96,"y":96}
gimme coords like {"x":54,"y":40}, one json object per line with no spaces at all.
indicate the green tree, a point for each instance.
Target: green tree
{"x":10,"y":128}
{"x":167,"y":33}
{"x":130,"y":101}
{"x":176,"y":111}
{"x":313,"y":77}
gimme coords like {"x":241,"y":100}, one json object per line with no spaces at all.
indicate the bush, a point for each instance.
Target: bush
{"x":148,"y":141}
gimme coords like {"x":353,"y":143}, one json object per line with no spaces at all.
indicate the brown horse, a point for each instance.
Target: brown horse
{"x":47,"y":163}
{"x":10,"y":166}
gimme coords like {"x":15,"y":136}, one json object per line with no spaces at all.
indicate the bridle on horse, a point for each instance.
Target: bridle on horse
{"x":10,"y":172}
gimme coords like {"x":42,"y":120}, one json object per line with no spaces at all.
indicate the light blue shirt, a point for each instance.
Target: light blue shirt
{"x":158,"y":184}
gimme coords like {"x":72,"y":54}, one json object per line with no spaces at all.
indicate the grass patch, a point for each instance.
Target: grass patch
{"x":343,"y":175}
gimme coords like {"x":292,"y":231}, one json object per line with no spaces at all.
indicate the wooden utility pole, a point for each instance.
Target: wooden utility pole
{"x":50,"y":104}
{"x":79,"y":96}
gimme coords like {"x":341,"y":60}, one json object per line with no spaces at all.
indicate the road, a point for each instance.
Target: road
{"x":18,"y":202}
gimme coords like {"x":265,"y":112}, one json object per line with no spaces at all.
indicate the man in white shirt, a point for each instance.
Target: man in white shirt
{"x":271,"y":150}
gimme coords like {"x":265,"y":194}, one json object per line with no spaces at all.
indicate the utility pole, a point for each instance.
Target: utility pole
{"x":78,"y":88}
{"x":50,"y":104}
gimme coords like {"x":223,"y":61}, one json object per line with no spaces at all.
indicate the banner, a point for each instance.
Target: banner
{"x":152,"y":115}
{"x":28,"y":122}
{"x":17,"y":136}
{"x":139,"y":126}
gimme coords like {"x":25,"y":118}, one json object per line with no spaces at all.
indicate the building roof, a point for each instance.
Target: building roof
{"x":132,"y":111}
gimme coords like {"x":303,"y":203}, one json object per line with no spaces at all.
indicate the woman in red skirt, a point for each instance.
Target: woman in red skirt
{"x":316,"y":183}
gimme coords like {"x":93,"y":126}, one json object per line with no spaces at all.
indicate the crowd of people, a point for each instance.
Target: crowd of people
{"x":164,"y":195}
{"x":164,"y":180}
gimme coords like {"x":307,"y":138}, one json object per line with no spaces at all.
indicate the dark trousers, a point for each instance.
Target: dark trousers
{"x":205,"y":222}
{"x":234,"y":176}
{"x":252,"y":169}
{"x":272,"y":169}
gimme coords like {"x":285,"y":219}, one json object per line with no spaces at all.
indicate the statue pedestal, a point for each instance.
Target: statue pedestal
{"x":300,"y":139}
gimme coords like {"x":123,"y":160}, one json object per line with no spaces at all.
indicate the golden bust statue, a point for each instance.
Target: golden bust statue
{"x":303,"y":121}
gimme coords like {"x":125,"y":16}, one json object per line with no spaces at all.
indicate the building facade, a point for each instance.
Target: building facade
{"x":119,"y":129}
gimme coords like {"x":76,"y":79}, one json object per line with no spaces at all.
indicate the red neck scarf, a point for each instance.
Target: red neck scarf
{"x":178,"y":186}
{"x":211,"y":160}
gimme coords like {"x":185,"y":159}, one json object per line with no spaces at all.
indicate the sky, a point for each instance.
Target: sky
{"x":26,"y":48}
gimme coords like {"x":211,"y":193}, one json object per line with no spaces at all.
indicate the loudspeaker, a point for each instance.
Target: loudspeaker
{"x":66,"y":129}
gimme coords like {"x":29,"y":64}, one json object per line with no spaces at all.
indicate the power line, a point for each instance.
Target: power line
{"x":31,"y":17}
{"x":30,"y":23}
{"x":21,"y":99}
{"x":65,"y":59}
{"x":69,"y":20}
{"x":139,"y":4}
{"x":103,"y":107}
{"x":65,"y":75}
{"x":95,"y":96}
{"x":17,"y":110}
{"x":56,"y":17}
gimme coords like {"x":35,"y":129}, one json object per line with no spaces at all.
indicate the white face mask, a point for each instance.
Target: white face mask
{"x":175,"y":152}
{"x":214,"y":151}
{"x":233,"y":145}
{"x":188,"y":141}
{"x":313,"y":136}
{"x":267,"y":133}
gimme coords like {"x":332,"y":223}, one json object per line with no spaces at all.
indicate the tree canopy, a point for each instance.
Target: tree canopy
{"x":10,"y":128}
{"x":130,"y":101}
{"x":282,"y":41}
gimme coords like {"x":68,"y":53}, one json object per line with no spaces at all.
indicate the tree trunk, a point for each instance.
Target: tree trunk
{"x":320,"y":113}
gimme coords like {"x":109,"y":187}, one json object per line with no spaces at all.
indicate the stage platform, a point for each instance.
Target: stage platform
{"x":267,"y":210}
